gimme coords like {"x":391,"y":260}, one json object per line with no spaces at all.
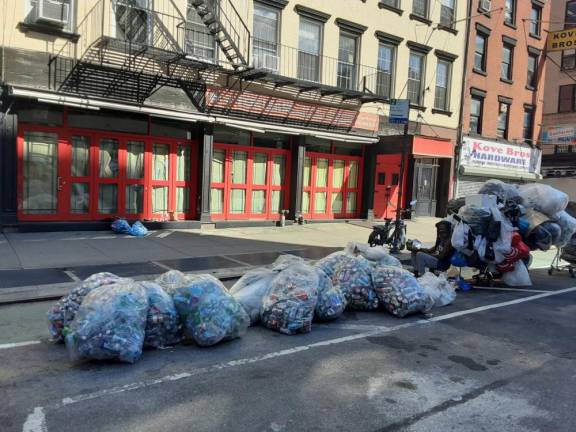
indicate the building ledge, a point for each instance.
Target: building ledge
{"x":448,"y":29}
{"x":441,"y":112}
{"x":422,"y":19}
{"x":394,"y":9}
{"x":47,"y":29}
{"x":506,"y":80}
{"x":418,"y":107}
{"x":479,"y":72}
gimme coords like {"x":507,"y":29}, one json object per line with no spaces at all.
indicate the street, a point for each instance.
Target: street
{"x":495,"y":360}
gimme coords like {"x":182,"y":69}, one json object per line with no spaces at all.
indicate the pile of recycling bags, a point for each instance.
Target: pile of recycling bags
{"x":501,"y":237}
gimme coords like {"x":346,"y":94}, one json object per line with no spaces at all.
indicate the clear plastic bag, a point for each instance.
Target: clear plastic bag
{"x":331,"y":300}
{"x":399,"y":291}
{"x":289,"y":305}
{"x":477,"y":218}
{"x":286,"y":260}
{"x":110,"y":324}
{"x":162,"y":323}
{"x":64,"y":310}
{"x":460,"y":237}
{"x":543,"y":198}
{"x":250,"y":290}
{"x":568,"y":226}
{"x":172,"y":280}
{"x":519,"y":277}
{"x":138,"y":230}
{"x":504,"y":191}
{"x":330,"y":263}
{"x":208,"y":312}
{"x":440,"y":292}
{"x":353,"y":278}
{"x":375,"y":254}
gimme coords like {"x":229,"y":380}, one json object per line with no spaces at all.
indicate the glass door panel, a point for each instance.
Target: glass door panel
{"x":135,"y":168}
{"x":217,"y":180}
{"x":80,"y":175}
{"x":260,"y":169}
{"x":160,"y":194}
{"x":108,"y":198}
{"x":135,"y":160}
{"x":108,"y":158}
{"x":160,"y":162}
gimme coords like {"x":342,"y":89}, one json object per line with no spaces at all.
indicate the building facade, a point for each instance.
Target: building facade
{"x":214,"y":111}
{"x":558,"y":138}
{"x":503,"y":94}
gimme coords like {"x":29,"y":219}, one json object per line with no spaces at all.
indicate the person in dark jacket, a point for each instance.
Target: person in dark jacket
{"x":437,"y":257}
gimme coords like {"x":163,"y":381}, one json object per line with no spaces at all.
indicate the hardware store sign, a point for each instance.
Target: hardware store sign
{"x":562,"y":40}
{"x":490,"y":154}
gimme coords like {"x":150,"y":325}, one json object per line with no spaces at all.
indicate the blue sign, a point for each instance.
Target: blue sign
{"x":399,"y":111}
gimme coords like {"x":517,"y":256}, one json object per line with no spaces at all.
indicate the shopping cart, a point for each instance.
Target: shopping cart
{"x":565,"y":259}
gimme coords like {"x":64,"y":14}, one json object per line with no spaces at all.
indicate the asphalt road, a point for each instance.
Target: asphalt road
{"x":496,"y":360}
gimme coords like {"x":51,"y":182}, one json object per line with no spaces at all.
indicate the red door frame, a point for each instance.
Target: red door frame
{"x":227,"y":185}
{"x":66,"y":180}
{"x":330,"y":189}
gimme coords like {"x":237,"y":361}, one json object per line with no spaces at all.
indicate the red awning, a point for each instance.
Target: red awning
{"x":430,"y":147}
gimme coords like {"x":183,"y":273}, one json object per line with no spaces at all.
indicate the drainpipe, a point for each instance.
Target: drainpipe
{"x":460,"y":131}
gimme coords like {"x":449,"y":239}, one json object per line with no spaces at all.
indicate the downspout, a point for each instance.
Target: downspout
{"x":460,"y":132}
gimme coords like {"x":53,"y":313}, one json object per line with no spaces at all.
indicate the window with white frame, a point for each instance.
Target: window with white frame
{"x":199,"y":41}
{"x":415,"y":77}
{"x":309,"y":49}
{"x":442,"y":95}
{"x":347,"y":61}
{"x":510,"y":12}
{"x":385,"y":77}
{"x":420,"y":8}
{"x":57,"y":13}
{"x":447,"y":13}
{"x":535,"y":20}
{"x":133,"y":20}
{"x":266,"y":29}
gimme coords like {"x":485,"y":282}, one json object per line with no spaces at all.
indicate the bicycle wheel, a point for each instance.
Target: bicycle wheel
{"x":374,"y":239}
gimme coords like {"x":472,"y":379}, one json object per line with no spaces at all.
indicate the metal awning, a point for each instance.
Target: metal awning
{"x":499,"y":173}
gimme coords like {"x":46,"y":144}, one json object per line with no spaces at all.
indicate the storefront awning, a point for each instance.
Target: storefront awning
{"x":432,"y":148}
{"x":499,"y":173}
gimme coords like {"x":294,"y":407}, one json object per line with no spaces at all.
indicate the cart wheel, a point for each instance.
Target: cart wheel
{"x":550,"y":271}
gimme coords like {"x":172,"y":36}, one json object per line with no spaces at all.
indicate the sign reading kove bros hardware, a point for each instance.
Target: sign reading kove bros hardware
{"x":491,"y":154}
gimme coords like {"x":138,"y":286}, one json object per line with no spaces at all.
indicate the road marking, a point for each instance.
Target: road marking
{"x":72,"y":276}
{"x":39,"y":412}
{"x":164,"y":234}
{"x":361,"y":327}
{"x":18,"y":344}
{"x":165,"y":267}
{"x":244,"y":264}
{"x":510,"y":289}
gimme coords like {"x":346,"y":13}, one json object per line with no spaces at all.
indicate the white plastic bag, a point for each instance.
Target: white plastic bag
{"x":286,"y":260}
{"x":460,"y":236}
{"x":250,"y":290}
{"x":375,"y":254}
{"x":519,"y":277}
{"x":568,"y":225}
{"x":440,"y":292}
{"x":543,"y":198}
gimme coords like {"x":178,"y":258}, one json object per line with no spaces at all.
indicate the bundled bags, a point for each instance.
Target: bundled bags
{"x":172,"y":280}
{"x":138,"y":230}
{"x":567,"y":225}
{"x":330,"y":263}
{"x":250,"y":290}
{"x":375,"y":254}
{"x":543,"y":198}
{"x":399,"y":291}
{"x":110,"y":324}
{"x":289,"y":305}
{"x":162,"y":322}
{"x":208,"y":312}
{"x":353,"y":277}
{"x":286,"y":260}
{"x":122,"y":226}
{"x":63,"y":312}
{"x":440,"y":292}
{"x":504,"y":191}
{"x":331,"y":301}
{"x":477,"y":218}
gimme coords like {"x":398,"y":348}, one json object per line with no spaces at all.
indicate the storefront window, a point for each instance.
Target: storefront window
{"x":337,"y":202}
{"x":218,"y":159}
{"x":40,"y":173}
{"x":216,"y":201}
{"x":306,"y":202}
{"x":322,"y":172}
{"x":183,"y":163}
{"x":307,"y":165}
{"x":224,"y":135}
{"x":108,"y":158}
{"x":278,"y":173}
{"x":183,"y":199}
{"x":353,"y":176}
{"x":271,"y":140}
{"x":134,"y":199}
{"x":108,"y":199}
{"x":160,"y":162}
{"x":135,"y":160}
{"x":338,"y":174}
{"x":237,"y":201}
{"x":259,"y":169}
{"x":159,"y":199}
{"x":320,"y":202}
{"x":80,"y":156}
{"x":79,"y":198}
{"x":351,"y":202}
{"x":239,"y":164}
{"x":277,"y":201}
{"x":259,"y":201}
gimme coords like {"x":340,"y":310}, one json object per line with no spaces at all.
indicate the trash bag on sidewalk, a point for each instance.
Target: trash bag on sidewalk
{"x":172,"y":280}
{"x":250,"y":290}
{"x":330,"y":263}
{"x":440,"y":292}
{"x":289,"y":305}
{"x":353,"y":278}
{"x":331,"y":300}
{"x":286,"y":260}
{"x":208,"y":312}
{"x":543,"y":198}
{"x":399,"y":291}
{"x":519,"y":277}
{"x":162,"y":322}
{"x":110,"y":324}
{"x":568,"y":225}
{"x":478,"y":218}
{"x":64,"y":310}
{"x":138,"y":230}
{"x":374,"y":254}
{"x":120,"y":226}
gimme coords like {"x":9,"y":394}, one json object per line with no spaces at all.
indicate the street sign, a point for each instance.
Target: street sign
{"x":399,"y":111}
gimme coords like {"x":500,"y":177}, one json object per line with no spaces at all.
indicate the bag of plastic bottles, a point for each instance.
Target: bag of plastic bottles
{"x":64,"y":310}
{"x":138,"y":230}
{"x":172,"y":280}
{"x":289,"y":305}
{"x":120,"y":226}
{"x":331,"y":301}
{"x":250,"y":290}
{"x":504,"y":191}
{"x":374,"y":254}
{"x":543,"y":198}
{"x":399,"y":291}
{"x":440,"y":292}
{"x":110,"y":324}
{"x":208,"y":312}
{"x":330,"y":263}
{"x":286,"y":260}
{"x":568,"y":226}
{"x":353,"y":278}
{"x":162,"y":322}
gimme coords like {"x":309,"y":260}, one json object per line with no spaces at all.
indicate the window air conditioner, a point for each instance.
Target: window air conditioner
{"x":54,"y":12}
{"x":486,"y":5}
{"x":271,"y":62}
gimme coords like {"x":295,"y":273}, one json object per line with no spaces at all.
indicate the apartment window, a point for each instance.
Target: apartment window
{"x":532,"y":77}
{"x":510,"y":12}
{"x":476,"y":110}
{"x":447,"y":13}
{"x":266,"y":27}
{"x":420,"y":8}
{"x":566,"y":102}
{"x":385,"y":77}
{"x":198,"y":39}
{"x":503,"y":117}
{"x":133,"y":21}
{"x":415,"y":77}
{"x":309,"y":50}
{"x":507,"y":59}
{"x":569,"y":59}
{"x":391,"y":3}
{"x":347,"y":61}
{"x":57,"y":10}
{"x":480,"y":52}
{"x":442,"y":95}
{"x":570,"y":16}
{"x":528,"y":127}
{"x":535,"y":18}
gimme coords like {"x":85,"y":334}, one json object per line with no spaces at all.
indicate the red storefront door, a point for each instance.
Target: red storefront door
{"x":387,"y":185}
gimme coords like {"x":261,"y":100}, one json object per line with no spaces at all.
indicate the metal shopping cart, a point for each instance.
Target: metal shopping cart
{"x":565,"y":259}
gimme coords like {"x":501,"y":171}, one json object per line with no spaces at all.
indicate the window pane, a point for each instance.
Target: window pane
{"x":309,"y":50}
{"x":420,"y":8}
{"x":415,"y":78}
{"x":570,"y":19}
{"x":108,"y":199}
{"x":183,"y":199}
{"x":278,"y":170}
{"x":265,"y":49}
{"x":322,"y":172}
{"x":385,"y":70}
{"x":320,"y":203}
{"x":183,"y":163}
{"x":337,"y":202}
{"x":237,"y":201}
{"x":351,"y":202}
{"x":108,"y":158}
{"x":353,"y":176}
{"x":135,"y":160}
{"x":160,"y":199}
{"x":218,"y":159}
{"x":442,"y":83}
{"x":239,"y":165}
{"x":160,"y":161}
{"x":259,"y":169}
{"x":40,"y":173}
{"x":80,"y":156}
{"x":277,"y":201}
{"x":259,"y":202}
{"x":338,"y":173}
{"x":347,"y":62}
{"x":80,"y":198}
{"x":509,"y":11}
{"x":306,"y":202}
{"x":134,"y":199}
{"x":307,"y":165}
{"x":216,"y":201}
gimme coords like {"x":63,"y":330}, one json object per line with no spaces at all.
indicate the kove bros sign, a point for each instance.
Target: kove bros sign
{"x":490,"y":154}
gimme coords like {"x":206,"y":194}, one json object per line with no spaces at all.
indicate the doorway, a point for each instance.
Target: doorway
{"x":425,"y":186}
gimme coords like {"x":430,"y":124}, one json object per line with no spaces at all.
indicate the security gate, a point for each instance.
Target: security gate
{"x":425,"y":186}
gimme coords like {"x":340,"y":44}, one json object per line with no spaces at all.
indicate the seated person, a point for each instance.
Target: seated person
{"x":437,"y":257}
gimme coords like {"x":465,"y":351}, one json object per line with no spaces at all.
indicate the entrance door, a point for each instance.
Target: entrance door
{"x":387,"y":186}
{"x":425,"y":179}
